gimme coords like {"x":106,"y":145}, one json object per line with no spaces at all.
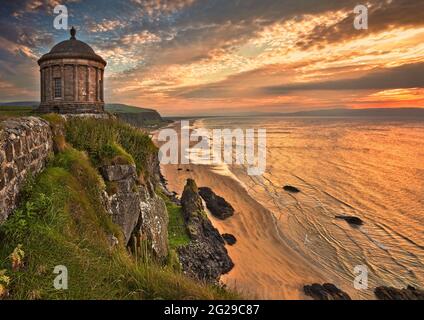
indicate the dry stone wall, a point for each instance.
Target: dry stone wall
{"x":25,"y":144}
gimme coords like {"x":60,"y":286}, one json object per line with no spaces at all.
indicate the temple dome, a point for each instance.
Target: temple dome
{"x":72,"y":45}
{"x":71,"y":78}
{"x":72,"y":48}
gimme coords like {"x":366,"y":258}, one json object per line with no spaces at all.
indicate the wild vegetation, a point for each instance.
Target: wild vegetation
{"x":61,"y":221}
{"x":101,"y":138}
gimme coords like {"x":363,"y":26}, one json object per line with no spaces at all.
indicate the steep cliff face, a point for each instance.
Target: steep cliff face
{"x":128,"y":162}
{"x":205,"y":257}
{"x":136,"y":208}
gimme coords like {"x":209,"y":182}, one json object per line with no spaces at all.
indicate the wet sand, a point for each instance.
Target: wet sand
{"x":265,"y":266}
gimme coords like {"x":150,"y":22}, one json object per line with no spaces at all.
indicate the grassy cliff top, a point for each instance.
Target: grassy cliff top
{"x":61,"y":221}
{"x":123,"y":108}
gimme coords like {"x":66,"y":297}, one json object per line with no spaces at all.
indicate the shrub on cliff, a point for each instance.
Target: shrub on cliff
{"x":96,"y":136}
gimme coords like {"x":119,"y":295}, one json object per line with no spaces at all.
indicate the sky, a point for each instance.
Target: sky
{"x":228,"y":56}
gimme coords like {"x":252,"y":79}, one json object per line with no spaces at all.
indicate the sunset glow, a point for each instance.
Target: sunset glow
{"x":216,"y":57}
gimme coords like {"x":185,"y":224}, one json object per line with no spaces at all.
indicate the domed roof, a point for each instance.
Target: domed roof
{"x":72,"y":45}
{"x":72,"y":48}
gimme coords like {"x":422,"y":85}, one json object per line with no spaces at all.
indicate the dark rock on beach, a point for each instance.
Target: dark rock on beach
{"x":291,"y":189}
{"x":205,"y":257}
{"x":351,"y":220}
{"x":390,"y":293}
{"x":217,"y":205}
{"x":229,"y":238}
{"x":327,"y":291}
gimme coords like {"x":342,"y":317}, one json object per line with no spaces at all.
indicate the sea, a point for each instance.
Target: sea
{"x":370,"y":168}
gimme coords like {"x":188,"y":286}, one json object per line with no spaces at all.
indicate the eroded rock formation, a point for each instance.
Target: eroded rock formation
{"x":205,"y":257}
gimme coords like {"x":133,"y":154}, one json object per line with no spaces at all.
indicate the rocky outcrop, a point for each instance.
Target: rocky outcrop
{"x":205,"y":257}
{"x":136,"y":208}
{"x":153,"y":222}
{"x":217,"y":205}
{"x":355,"y":221}
{"x":25,"y":145}
{"x":327,"y":291}
{"x":390,"y":293}
{"x":291,"y":189}
{"x":123,"y":199}
{"x":229,"y":239}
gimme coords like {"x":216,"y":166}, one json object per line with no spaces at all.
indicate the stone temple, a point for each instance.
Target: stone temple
{"x":72,"y":78}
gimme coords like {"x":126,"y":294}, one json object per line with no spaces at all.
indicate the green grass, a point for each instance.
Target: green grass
{"x":114,"y":154}
{"x":177,"y":234}
{"x":11,"y":112}
{"x":94,"y":135}
{"x":61,"y":221}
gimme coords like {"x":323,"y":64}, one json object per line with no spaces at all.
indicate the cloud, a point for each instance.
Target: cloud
{"x":382,"y":16}
{"x":215,"y":53}
{"x":157,"y":7}
{"x":405,"y":76}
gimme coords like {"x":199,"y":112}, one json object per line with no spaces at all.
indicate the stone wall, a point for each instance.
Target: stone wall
{"x":25,"y":144}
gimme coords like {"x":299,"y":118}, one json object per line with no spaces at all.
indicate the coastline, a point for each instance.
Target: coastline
{"x":265,"y":266}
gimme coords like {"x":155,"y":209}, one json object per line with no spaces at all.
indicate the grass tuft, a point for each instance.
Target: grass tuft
{"x":100,"y":138}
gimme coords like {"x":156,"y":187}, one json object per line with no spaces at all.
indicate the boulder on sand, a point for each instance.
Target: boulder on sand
{"x":291,"y":189}
{"x":390,"y":293}
{"x":229,"y":238}
{"x":351,"y":220}
{"x":327,"y":291}
{"x":217,"y":205}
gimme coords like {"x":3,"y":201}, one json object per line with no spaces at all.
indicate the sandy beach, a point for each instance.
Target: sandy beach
{"x":265,"y":266}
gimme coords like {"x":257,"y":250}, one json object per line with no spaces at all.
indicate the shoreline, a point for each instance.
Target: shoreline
{"x":265,"y":266}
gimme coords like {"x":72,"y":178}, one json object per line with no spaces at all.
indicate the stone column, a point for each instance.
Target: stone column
{"x":75,"y":82}
{"x":51,"y":84}
{"x":102,"y":86}
{"x":41,"y":85}
{"x":87,"y":83}
{"x":43,"y":88}
{"x":62,"y":80}
{"x":97,"y":83}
